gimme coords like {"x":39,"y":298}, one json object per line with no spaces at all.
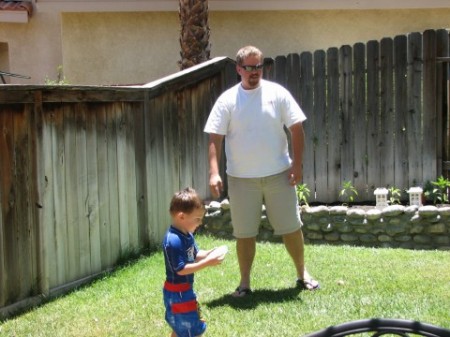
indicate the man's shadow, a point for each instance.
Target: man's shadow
{"x":257,"y":297}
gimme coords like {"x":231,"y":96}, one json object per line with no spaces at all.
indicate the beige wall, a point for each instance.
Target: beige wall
{"x":281,"y":33}
{"x":119,"y":48}
{"x":139,"y":47}
{"x":34,"y":48}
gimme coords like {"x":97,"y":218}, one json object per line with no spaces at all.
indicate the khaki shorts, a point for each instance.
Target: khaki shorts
{"x":247,"y":195}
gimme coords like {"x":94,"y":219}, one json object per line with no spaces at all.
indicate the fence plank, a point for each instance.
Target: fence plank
{"x":43,"y":199}
{"x":7,"y":199}
{"x":346,"y":93}
{"x":198,"y":155}
{"x":414,"y":109}
{"x":104,"y":196}
{"x":152,"y":139}
{"x":320,"y":126}
{"x":72,"y":194}
{"x":429,"y":105}
{"x":185,"y":102}
{"x":442,"y":119}
{"x":171,"y":149}
{"x":56,"y":163}
{"x":280,"y":71}
{"x":3,"y":288}
{"x":122,"y":182}
{"x":334,"y":122}
{"x":114,"y":216}
{"x":82,"y":211}
{"x":360,"y":122}
{"x":141,"y":177}
{"x":293,"y":75}
{"x":162,"y":176}
{"x":387,"y":112}
{"x":14,"y":220}
{"x":92,"y":200}
{"x":401,"y":144}
{"x":127,"y":179}
{"x":24,"y":257}
{"x":306,"y":95}
{"x":373,"y":117}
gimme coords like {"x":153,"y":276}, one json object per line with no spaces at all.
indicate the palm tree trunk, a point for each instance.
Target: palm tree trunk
{"x":194,"y":36}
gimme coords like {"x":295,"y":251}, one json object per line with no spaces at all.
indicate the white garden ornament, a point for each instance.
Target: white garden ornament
{"x":415,"y":196}
{"x":381,"y":194}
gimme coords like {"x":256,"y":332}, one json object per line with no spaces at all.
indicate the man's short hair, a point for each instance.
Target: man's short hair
{"x":247,"y":51}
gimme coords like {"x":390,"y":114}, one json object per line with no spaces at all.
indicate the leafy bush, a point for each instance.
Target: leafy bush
{"x":303,"y":194}
{"x":60,"y":78}
{"x":437,"y":191}
{"x":348,"y":191}
{"x":395,"y":195}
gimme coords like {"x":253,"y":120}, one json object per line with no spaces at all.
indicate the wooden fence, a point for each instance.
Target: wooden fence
{"x":377,"y":112}
{"x":86,"y":173}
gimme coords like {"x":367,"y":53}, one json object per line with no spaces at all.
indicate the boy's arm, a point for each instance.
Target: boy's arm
{"x":200,"y":264}
{"x":201,"y":254}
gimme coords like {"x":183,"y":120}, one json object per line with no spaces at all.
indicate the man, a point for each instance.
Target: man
{"x":252,"y":117}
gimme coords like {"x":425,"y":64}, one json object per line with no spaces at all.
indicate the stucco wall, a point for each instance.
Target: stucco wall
{"x":141,"y":47}
{"x":119,"y":48}
{"x":281,"y":33}
{"x":33,"y":48}
{"x":131,"y":48}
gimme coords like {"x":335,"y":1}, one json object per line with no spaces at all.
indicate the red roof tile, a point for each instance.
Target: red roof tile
{"x":17,"y":6}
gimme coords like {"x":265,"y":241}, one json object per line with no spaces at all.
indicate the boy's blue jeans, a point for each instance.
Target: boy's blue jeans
{"x":182,"y":313}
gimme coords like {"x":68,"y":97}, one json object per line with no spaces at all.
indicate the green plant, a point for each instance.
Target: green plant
{"x":395,"y":194}
{"x":348,"y":191}
{"x":437,"y":191}
{"x":303,"y":194}
{"x":60,"y":78}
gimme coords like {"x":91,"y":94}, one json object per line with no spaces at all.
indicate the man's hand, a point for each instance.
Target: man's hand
{"x":214,"y":153}
{"x":215,"y":185}
{"x":295,"y":175}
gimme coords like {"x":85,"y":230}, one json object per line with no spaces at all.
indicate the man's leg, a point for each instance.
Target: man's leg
{"x":246,"y":205}
{"x":295,"y":246}
{"x":246,"y":249}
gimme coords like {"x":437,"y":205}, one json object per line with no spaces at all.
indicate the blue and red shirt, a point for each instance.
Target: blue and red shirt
{"x":179,"y":250}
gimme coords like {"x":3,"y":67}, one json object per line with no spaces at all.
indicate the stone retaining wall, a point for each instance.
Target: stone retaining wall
{"x":411,"y":227}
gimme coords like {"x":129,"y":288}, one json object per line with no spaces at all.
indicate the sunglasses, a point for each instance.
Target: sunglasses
{"x":252,"y":68}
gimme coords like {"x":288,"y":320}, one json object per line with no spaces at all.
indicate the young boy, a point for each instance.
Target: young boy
{"x":182,"y":259}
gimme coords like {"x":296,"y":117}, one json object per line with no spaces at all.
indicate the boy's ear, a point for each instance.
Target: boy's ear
{"x":180,"y":215}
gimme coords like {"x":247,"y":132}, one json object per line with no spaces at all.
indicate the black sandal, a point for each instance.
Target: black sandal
{"x":308,"y":284}
{"x":241,"y":292}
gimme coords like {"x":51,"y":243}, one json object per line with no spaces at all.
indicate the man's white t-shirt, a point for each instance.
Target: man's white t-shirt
{"x":252,"y":122}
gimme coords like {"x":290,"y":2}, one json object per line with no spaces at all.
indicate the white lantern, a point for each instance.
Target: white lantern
{"x":415,"y":196}
{"x":381,"y":197}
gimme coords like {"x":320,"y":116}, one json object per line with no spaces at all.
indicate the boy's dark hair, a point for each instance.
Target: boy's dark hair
{"x":185,"y":201}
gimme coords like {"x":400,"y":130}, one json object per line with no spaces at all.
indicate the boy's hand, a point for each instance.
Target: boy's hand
{"x":217,"y":255}
{"x":215,"y":260}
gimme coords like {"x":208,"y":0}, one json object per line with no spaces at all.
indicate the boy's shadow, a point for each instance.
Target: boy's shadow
{"x":259,"y":296}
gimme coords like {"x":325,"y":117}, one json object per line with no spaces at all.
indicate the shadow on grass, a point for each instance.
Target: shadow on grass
{"x":257,"y":297}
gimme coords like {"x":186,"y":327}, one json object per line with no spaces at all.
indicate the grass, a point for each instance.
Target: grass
{"x":357,"y":283}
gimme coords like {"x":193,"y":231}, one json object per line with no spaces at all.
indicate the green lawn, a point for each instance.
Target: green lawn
{"x":356,"y":283}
